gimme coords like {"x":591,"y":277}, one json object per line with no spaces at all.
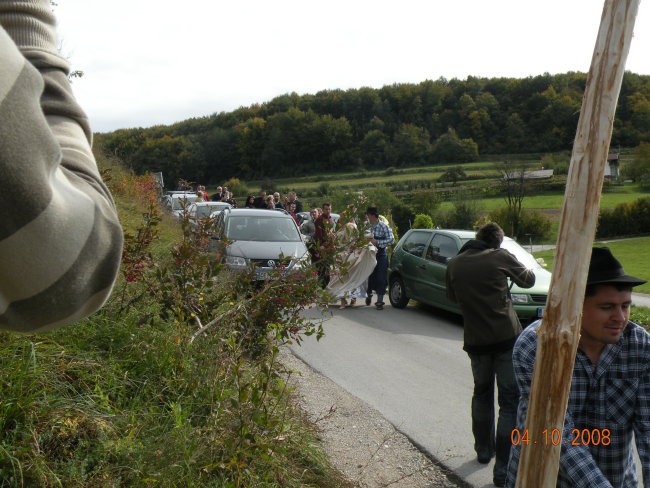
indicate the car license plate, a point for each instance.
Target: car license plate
{"x":540,"y":312}
{"x":261,"y":274}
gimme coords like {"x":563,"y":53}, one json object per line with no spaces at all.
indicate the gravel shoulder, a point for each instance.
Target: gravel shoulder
{"x":358,"y":440}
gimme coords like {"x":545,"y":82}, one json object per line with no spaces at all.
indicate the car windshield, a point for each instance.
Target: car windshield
{"x":204,"y":211}
{"x":520,"y":253}
{"x":179,"y":203}
{"x":261,"y":228}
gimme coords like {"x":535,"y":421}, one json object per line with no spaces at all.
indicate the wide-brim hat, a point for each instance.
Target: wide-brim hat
{"x":605,"y":268}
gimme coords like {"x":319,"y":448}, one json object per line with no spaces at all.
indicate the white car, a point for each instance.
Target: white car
{"x":203,"y":210}
{"x":177,"y":202}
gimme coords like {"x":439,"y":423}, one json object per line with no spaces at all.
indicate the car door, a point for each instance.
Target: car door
{"x":441,"y":248}
{"x":413,"y":263}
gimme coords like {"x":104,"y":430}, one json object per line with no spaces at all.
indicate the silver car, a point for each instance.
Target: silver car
{"x":260,"y":240}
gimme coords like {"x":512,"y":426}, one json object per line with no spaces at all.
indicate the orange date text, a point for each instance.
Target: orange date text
{"x":553,"y":437}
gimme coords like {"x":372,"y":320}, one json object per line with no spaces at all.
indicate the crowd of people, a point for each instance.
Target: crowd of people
{"x":360,"y":268}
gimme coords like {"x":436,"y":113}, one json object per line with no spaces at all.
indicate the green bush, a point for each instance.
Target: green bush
{"x":532,"y":224}
{"x":629,"y":218}
{"x":238,"y":188}
{"x":423,"y":222}
{"x":403,"y":217}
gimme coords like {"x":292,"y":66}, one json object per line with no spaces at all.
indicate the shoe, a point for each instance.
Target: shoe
{"x":484,"y":456}
{"x":353,"y":302}
{"x":343,"y":304}
{"x":368,"y":300}
{"x":483,"y":459}
{"x":499,"y":482}
{"x":379,"y":305}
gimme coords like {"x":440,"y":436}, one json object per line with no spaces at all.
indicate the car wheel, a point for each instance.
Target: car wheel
{"x":397,"y":293}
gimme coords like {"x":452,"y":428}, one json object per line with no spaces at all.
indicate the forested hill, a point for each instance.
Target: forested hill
{"x":403,"y":124}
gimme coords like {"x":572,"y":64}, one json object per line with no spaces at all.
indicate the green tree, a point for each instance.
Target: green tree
{"x":449,"y":148}
{"x":411,"y":145}
{"x":639,"y":168}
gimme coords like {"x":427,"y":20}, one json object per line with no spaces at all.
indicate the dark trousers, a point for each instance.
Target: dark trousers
{"x":485,"y":367}
{"x":378,"y":280}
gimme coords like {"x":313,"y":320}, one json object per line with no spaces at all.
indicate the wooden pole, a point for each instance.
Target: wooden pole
{"x":559,"y":332}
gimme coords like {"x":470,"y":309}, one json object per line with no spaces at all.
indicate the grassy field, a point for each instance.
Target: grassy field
{"x":370,"y":178}
{"x":634,"y":255}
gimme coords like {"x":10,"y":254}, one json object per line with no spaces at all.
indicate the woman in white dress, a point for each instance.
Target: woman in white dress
{"x":353,"y":266}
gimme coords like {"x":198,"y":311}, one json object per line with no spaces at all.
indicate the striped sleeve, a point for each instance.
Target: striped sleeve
{"x":60,"y":238}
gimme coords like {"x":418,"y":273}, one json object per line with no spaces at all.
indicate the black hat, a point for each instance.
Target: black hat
{"x":604,"y":268}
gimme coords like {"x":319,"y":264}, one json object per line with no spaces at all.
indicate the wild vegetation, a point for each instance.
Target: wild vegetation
{"x":432,"y":122}
{"x":175,"y":382}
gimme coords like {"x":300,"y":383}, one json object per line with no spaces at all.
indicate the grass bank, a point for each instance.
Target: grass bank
{"x":128,"y":398}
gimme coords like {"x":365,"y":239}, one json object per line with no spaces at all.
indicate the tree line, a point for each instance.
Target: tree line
{"x":442,"y":121}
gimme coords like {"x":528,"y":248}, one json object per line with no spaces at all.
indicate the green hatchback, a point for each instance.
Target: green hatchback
{"x":419,"y":264}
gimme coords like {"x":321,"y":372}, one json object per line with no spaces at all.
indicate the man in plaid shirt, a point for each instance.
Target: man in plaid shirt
{"x":610,"y":390}
{"x":382,"y":237}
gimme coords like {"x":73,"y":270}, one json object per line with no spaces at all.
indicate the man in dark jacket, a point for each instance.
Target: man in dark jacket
{"x":477,"y":279}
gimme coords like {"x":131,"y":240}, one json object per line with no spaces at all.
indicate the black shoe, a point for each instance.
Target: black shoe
{"x":484,"y":456}
{"x":499,"y":482}
{"x":368,"y":300}
{"x":379,"y":305}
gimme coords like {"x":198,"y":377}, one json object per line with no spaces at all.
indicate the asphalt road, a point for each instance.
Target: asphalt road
{"x":410,"y":366}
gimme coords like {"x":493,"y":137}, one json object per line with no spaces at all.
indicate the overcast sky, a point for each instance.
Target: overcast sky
{"x":149,"y":62}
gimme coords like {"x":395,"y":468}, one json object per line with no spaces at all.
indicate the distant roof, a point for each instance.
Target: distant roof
{"x":612,"y":157}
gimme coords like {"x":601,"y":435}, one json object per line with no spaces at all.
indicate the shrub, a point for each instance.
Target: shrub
{"x":403,"y":217}
{"x":237,"y":187}
{"x":628,"y":218}
{"x":532,"y":223}
{"x":423,"y":222}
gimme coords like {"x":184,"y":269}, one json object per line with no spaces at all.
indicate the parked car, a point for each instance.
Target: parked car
{"x":303,"y":216}
{"x":259,"y":240}
{"x":419,"y":264}
{"x":177,"y":202}
{"x":203,"y":210}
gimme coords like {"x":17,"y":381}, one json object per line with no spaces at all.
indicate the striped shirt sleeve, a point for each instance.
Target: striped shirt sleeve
{"x":60,"y":238}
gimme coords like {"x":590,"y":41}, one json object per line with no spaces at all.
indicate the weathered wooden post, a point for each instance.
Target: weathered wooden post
{"x":560,"y":329}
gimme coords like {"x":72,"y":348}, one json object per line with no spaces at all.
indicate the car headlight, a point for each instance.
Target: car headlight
{"x":236,"y":261}
{"x":519,"y":298}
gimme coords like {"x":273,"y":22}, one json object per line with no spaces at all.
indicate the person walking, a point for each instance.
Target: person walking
{"x":323,"y":240}
{"x":609,"y":398}
{"x":477,"y":279}
{"x":382,"y":237}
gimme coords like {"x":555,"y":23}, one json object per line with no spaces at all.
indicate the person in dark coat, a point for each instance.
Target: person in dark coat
{"x":477,"y":279}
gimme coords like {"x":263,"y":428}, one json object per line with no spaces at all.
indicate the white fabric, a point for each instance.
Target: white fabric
{"x":358,"y":266}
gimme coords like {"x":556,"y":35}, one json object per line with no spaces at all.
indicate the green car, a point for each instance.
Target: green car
{"x":419,"y":264}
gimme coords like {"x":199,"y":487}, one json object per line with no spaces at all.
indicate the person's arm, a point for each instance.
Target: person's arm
{"x":516,"y":271}
{"x":449,"y":287}
{"x":576,"y":462}
{"x":642,"y":426}
{"x":60,"y":238}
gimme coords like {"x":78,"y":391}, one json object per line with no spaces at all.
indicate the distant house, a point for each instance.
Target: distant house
{"x":611,"y":168}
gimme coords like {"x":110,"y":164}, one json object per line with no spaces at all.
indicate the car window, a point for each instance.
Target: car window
{"x":441,"y":249}
{"x":523,"y":256}
{"x":416,"y":242}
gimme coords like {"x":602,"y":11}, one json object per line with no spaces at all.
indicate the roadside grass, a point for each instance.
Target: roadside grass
{"x":123,"y":398}
{"x":633,"y":253}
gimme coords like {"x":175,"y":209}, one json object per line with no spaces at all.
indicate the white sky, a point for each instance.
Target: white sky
{"x":149,"y":62}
